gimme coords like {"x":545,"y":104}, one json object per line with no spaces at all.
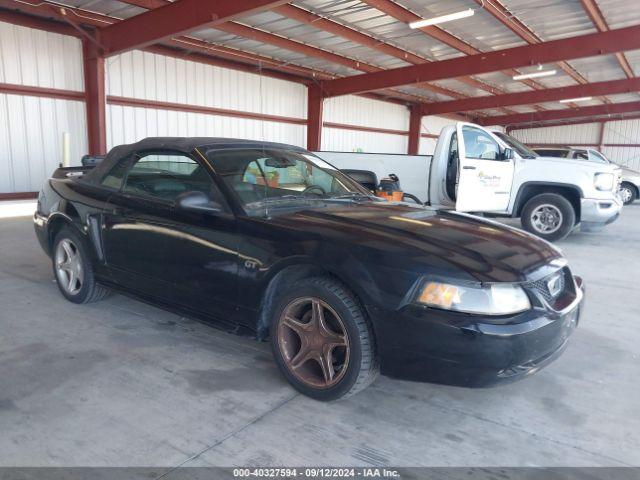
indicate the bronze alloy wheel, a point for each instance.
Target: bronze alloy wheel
{"x":313,"y":341}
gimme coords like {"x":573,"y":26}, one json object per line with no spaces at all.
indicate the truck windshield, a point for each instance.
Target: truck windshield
{"x":522,"y":149}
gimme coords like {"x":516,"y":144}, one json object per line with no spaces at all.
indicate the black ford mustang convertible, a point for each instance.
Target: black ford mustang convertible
{"x":269,"y":239}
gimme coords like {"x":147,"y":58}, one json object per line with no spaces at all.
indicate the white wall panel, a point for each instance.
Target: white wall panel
{"x":354,"y":110}
{"x":433,"y":125}
{"x":615,"y":132}
{"x":130,"y":124}
{"x":564,"y":134}
{"x":629,"y":156}
{"x":148,"y":76}
{"x":31,"y":131}
{"x":341,"y":140}
{"x":31,"y":128}
{"x":40,"y":59}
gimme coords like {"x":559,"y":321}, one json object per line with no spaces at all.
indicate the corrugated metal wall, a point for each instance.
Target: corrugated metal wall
{"x":353,"y":110}
{"x":31,"y":128}
{"x":148,"y":76}
{"x":615,"y":132}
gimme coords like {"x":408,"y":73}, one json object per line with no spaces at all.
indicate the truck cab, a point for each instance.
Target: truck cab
{"x":479,"y":171}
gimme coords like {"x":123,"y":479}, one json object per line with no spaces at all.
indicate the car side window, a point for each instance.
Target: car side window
{"x":164,"y":176}
{"x":581,"y":155}
{"x":115,"y":177}
{"x":479,"y":144}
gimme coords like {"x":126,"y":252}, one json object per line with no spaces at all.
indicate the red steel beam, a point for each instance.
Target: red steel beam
{"x":13,"y":89}
{"x":314,"y":118}
{"x":596,"y":16}
{"x":19,"y":18}
{"x":582,"y":46}
{"x":536,"y":117}
{"x":174,"y":19}
{"x":415,"y":124}
{"x":95,"y":97}
{"x":609,"y":87}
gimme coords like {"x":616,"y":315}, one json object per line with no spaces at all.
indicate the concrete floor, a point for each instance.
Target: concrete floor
{"x":121,"y":383}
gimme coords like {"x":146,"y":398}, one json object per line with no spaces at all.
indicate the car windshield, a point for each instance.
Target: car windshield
{"x":523,"y":150}
{"x":269,"y":180}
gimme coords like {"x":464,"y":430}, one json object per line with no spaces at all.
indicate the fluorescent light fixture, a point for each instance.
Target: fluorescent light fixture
{"x":579,"y":99}
{"x":442,"y":18}
{"x":538,"y":74}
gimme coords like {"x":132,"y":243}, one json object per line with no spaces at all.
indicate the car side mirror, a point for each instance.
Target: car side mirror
{"x":507,"y":154}
{"x":195,"y":201}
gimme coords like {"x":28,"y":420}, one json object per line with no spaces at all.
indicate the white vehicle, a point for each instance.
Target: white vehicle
{"x":629,"y":184}
{"x":494,"y":174}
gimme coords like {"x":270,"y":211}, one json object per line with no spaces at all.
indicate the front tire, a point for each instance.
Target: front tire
{"x":73,"y":270}
{"x":628,"y":193}
{"x":322,"y":341}
{"x":549,"y":216}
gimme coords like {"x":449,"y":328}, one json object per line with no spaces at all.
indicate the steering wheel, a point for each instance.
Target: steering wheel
{"x":311,"y":188}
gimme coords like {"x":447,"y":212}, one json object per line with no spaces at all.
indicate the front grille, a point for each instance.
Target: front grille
{"x":560,"y":282}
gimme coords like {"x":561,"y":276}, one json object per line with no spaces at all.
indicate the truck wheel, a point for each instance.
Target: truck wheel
{"x":322,"y":341}
{"x":73,"y":269}
{"x":549,"y":216}
{"x":628,"y":193}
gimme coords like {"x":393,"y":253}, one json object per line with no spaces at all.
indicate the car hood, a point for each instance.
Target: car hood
{"x":433,"y":241}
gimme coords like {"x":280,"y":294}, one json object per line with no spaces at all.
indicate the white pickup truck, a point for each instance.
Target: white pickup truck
{"x":479,"y":171}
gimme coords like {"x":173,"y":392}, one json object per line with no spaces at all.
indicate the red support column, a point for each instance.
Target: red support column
{"x":314,"y":118}
{"x":95,"y":98}
{"x":415,"y":123}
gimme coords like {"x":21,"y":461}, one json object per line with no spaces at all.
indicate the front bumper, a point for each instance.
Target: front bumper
{"x":595,"y":214}
{"x":429,"y":345}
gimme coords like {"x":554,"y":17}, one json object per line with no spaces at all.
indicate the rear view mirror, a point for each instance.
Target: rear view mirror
{"x":279,"y":162}
{"x":507,"y":154}
{"x":195,"y":201}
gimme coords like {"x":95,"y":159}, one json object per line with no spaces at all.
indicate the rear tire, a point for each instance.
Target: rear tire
{"x":73,"y":269}
{"x":549,"y":216}
{"x":628,"y":193}
{"x":322,"y":341}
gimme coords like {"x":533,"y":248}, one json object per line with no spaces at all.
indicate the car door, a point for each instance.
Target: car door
{"x":484,"y":175}
{"x":155,"y":249}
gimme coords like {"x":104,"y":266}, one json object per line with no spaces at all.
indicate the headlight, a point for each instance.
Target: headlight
{"x":603,"y":181}
{"x":496,"y":299}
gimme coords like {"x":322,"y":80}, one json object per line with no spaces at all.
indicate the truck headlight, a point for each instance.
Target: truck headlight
{"x":603,"y":181}
{"x":495,"y":299}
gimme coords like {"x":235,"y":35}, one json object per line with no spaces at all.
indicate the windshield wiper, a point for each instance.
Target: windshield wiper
{"x":351,"y":195}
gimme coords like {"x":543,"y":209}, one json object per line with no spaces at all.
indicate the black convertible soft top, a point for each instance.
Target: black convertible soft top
{"x":184,"y":145}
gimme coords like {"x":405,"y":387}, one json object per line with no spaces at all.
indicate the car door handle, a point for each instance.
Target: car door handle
{"x":467,"y":167}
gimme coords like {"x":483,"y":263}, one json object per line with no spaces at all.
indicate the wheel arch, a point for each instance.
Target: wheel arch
{"x":528,"y":190}
{"x":632,"y":185}
{"x":288,"y":273}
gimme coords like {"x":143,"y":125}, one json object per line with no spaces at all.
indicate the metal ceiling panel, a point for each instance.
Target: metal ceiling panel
{"x":482,"y":30}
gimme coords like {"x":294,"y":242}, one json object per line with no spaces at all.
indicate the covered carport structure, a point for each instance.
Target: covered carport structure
{"x":361,"y":48}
